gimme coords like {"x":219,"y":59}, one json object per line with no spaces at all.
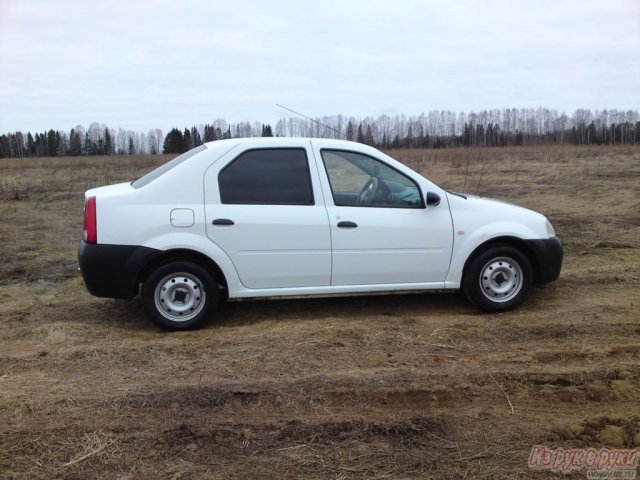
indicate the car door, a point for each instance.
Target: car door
{"x":262,"y":209}
{"x":381,"y":230}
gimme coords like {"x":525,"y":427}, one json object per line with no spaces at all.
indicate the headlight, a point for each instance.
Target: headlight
{"x":550,"y":231}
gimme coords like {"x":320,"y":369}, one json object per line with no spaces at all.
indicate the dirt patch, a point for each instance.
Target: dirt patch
{"x":607,"y":431}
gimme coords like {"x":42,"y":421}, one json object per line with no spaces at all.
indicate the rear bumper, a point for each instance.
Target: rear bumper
{"x":113,"y":270}
{"x":547,"y":255}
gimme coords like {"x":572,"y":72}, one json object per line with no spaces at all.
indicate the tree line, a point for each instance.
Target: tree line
{"x":486,"y":128}
{"x":435,"y":129}
{"x":179,"y":142}
{"x":98,"y":139}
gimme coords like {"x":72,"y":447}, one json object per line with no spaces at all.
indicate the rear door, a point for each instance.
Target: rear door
{"x":264,"y":208}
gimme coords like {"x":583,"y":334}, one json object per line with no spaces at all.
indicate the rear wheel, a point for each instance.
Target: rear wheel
{"x":179,"y":295}
{"x":498,"y":279}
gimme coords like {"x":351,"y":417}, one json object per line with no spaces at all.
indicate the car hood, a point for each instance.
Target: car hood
{"x":465,"y":200}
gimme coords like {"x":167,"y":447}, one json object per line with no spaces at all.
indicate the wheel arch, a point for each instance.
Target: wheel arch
{"x":510,"y":241}
{"x":188,"y":255}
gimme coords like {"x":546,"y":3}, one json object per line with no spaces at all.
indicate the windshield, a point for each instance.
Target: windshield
{"x":164,"y":168}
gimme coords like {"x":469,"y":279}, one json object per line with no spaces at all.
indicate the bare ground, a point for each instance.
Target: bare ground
{"x":411,"y":386}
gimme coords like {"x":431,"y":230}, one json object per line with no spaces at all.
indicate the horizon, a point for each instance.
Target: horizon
{"x":433,"y":130}
{"x":593,"y":113}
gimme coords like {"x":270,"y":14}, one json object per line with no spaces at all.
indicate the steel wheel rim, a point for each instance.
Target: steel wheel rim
{"x":179,"y":297}
{"x":501,"y":279}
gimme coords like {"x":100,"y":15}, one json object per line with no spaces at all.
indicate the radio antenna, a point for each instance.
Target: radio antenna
{"x":313,"y":120}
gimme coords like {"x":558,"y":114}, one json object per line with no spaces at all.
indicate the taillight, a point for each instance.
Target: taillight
{"x":90,"y":234}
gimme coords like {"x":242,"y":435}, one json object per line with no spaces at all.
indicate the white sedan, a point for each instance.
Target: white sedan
{"x":282,"y":217}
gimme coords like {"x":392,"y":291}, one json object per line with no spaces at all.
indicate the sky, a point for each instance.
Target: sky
{"x":158,"y":64}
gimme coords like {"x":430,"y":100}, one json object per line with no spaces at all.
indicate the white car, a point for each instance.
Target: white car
{"x":282,"y":217}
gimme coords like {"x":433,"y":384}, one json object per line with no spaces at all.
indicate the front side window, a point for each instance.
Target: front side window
{"x":267,"y":177}
{"x":361,"y":181}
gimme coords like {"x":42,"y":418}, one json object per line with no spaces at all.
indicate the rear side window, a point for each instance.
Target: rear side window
{"x":267,"y":177}
{"x":162,"y":169}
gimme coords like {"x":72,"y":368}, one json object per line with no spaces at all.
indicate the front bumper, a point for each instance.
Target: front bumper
{"x":113,"y":270}
{"x":547,"y":258}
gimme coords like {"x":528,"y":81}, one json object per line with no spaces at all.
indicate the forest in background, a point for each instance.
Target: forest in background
{"x":435,"y":129}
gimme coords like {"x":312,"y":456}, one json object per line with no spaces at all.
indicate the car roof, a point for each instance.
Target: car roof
{"x":284,"y":142}
{"x":278,"y":141}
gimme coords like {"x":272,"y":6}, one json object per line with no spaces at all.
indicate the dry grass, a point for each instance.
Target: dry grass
{"x":368,"y":387}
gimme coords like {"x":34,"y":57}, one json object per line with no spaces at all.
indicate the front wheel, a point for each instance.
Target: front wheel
{"x":498,"y":279}
{"x":179,"y":295}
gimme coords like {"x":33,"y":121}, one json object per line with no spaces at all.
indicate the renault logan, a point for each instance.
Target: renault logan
{"x":281,"y":217}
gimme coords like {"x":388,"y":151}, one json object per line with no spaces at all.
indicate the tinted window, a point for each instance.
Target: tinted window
{"x":162,"y":169}
{"x":361,"y":181}
{"x":267,"y":177}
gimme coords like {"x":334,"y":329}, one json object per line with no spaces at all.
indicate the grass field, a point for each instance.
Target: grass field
{"x":411,"y":386}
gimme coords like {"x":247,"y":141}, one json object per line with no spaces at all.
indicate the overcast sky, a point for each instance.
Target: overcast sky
{"x":141,"y":64}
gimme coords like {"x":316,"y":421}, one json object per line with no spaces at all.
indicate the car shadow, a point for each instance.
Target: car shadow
{"x":351,"y":308}
{"x":130,"y":315}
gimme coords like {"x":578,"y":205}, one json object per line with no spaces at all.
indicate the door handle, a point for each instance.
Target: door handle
{"x":347,"y":225}
{"x":222,"y":221}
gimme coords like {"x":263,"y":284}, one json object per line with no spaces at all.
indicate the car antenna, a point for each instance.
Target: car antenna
{"x":315,"y":121}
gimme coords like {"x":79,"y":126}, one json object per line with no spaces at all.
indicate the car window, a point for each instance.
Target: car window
{"x":361,"y":181}
{"x":267,"y":177}
{"x":164,"y":168}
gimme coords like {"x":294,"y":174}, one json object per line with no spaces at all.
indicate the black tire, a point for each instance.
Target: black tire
{"x":498,"y":279}
{"x":179,"y":295}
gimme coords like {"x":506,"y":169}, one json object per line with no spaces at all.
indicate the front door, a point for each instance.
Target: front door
{"x":381,"y":230}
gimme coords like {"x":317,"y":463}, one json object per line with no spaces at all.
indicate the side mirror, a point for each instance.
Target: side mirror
{"x":433,"y":199}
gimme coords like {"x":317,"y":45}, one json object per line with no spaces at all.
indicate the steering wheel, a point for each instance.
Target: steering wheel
{"x":369,"y":191}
